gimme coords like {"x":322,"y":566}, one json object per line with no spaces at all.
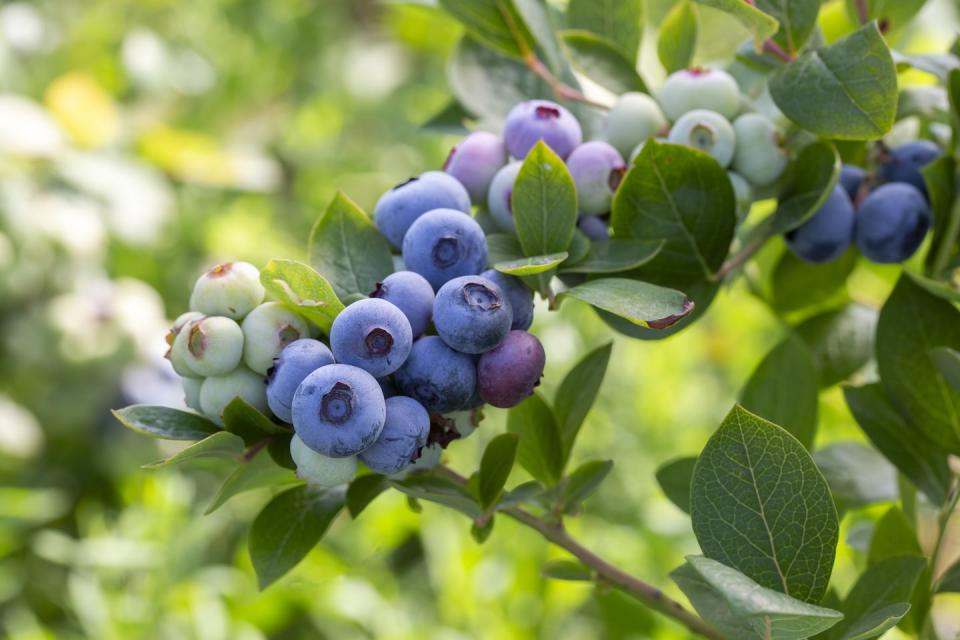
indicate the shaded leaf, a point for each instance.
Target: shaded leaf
{"x":614,"y":256}
{"x":217,"y":445}
{"x":495,"y":467}
{"x":541,"y":449}
{"x":165,"y":423}
{"x":642,"y":303}
{"x":363,"y":490}
{"x":760,"y":24}
{"x":256,"y":473}
{"x":599,"y":60}
{"x":439,"y":490}
{"x":879,"y":599}
{"x":619,"y":21}
{"x":577,"y":393}
{"x":674,"y":479}
{"x":841,"y":342}
{"x":584,"y":480}
{"x":858,"y":476}
{"x":678,"y":37}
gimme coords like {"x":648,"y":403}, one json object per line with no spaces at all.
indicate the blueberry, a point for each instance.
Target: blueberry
{"x":633,"y":119}
{"x":371,"y":334}
{"x":475,"y":161}
{"x":319,"y":470}
{"x":534,"y":120}
{"x":231,"y":289}
{"x":217,"y":392}
{"x":699,"y":88}
{"x":266,"y":331}
{"x":518,"y":295}
{"x":214,"y":345}
{"x":404,"y":433}
{"x":594,"y":227}
{"x":904,"y":163}
{"x":499,"y":196}
{"x":387,"y":387}
{"x":436,"y":376}
{"x":429,"y":459}
{"x":412,"y":294}
{"x":826,"y":235}
{"x":177,"y":352}
{"x":851,"y":177}
{"x":708,"y":131}
{"x":298,"y":359}
{"x":472,"y":314}
{"x":892,"y":222}
{"x":759,"y":156}
{"x":508,"y":374}
{"x":338,"y":410}
{"x":597,"y":169}
{"x":444,"y":244}
{"x":398,"y":208}
{"x":191,"y":392}
{"x":742,"y":192}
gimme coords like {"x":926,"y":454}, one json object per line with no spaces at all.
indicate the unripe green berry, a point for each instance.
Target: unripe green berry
{"x":231,"y":289}
{"x":191,"y":392}
{"x":319,"y":470}
{"x":218,"y":391}
{"x":214,"y":345}
{"x":634,"y":118}
{"x":177,"y":340}
{"x":266,"y":331}
{"x":759,"y":157}
{"x":743,"y":193}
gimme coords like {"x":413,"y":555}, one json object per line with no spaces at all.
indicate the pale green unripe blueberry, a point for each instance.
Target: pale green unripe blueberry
{"x":319,"y":470}
{"x":266,"y":331}
{"x":759,"y":157}
{"x":698,"y":88}
{"x":743,"y":193}
{"x":429,"y":459}
{"x":218,"y":391}
{"x":191,"y":392}
{"x":177,"y":339}
{"x":708,"y":131}
{"x":634,"y":118}
{"x":214,"y":345}
{"x":231,"y":289}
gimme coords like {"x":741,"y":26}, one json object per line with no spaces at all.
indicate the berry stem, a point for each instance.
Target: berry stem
{"x":604,"y":571}
{"x":562,"y":90}
{"x":863,"y":11}
{"x":773,"y":48}
{"x":739,"y":258}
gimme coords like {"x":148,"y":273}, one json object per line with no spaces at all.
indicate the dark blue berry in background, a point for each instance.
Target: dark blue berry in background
{"x":903,"y":163}
{"x":826,"y":235}
{"x":892,"y":223}
{"x":851,"y":177}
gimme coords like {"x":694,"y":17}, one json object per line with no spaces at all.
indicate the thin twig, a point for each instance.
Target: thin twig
{"x":947,"y":242}
{"x":739,"y":258}
{"x":863,"y":11}
{"x":773,"y":48}
{"x":943,"y":521}
{"x":562,"y":90}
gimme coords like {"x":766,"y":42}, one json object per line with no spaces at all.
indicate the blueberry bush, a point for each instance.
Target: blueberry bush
{"x":340,"y":378}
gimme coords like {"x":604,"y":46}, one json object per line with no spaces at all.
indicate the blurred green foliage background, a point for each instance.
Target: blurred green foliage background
{"x":142,"y":141}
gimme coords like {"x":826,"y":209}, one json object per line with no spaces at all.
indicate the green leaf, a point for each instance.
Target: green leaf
{"x":302,"y":289}
{"x":854,"y":81}
{"x":740,"y":608}
{"x":674,"y":479}
{"x":255,"y":473}
{"x":761,"y":25}
{"x":362,"y":490}
{"x":544,"y":203}
{"x":576,"y":394}
{"x":950,"y":581}
{"x":912,"y":322}
{"x":760,"y":505}
{"x":243,"y":420}
{"x":941,"y":179}
{"x":541,"y":449}
{"x":480,"y":531}
{"x":532,"y":265}
{"x":439,"y":490}
{"x":584,"y":480}
{"x":526,"y":492}
{"x":602,"y":62}
{"x":879,"y":599}
{"x":217,"y":445}
{"x":893,"y":536}
{"x":493,"y":22}
{"x":566,"y":570}
{"x":615,"y":256}
{"x":619,"y":21}
{"x":347,"y":249}
{"x":841,"y":341}
{"x":642,"y":303}
{"x":938,"y":65}
{"x":288,"y":528}
{"x":858,"y":476}
{"x":503,"y":247}
{"x":797,"y":18}
{"x":783,"y":389}
{"x":895,"y":13}
{"x":165,"y":423}
{"x":947,"y":362}
{"x":495,"y":467}
{"x":450,"y":120}
{"x":678,"y":37}
{"x":915,"y":455}
{"x":798,"y":284}
{"x":808,"y":183}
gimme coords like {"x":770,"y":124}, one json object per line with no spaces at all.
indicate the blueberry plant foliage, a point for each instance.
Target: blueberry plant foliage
{"x":788,"y":168}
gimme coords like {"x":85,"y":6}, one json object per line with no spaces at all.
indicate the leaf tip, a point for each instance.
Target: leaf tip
{"x":686,"y":308}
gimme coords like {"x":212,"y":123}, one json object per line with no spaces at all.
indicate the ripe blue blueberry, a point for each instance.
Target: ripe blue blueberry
{"x":298,"y":359}
{"x":444,"y":244}
{"x":214,"y":345}
{"x":398,"y":208}
{"x":708,"y":131}
{"x":319,"y":470}
{"x":597,"y":169}
{"x":699,"y":88}
{"x":508,"y":374}
{"x":633,"y":119}
{"x":475,"y":161}
{"x":759,"y":156}
{"x":851,"y":177}
{"x":472,"y":314}
{"x":231,"y":289}
{"x":594,"y":227}
{"x":372,"y":334}
{"x":518,"y":295}
{"x":892,"y":222}
{"x":266,"y":331}
{"x":412,"y":294}
{"x":404,"y":434}
{"x":436,"y":376}
{"x":904,"y":163}
{"x":338,"y":410}
{"x":499,"y":196}
{"x":217,"y":392}
{"x":534,"y":120}
{"x":826,"y":235}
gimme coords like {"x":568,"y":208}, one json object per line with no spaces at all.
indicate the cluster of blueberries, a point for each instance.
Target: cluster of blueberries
{"x":885,"y":214}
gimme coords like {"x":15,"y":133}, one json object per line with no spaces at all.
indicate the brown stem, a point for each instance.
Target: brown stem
{"x":863,"y":11}
{"x":562,"y":90}
{"x":746,"y":252}
{"x":773,"y":48}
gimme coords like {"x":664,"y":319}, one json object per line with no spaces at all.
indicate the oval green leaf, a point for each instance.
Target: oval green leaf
{"x":641,"y":303}
{"x":165,"y":423}
{"x":615,"y":256}
{"x":544,"y":203}
{"x":532,"y":265}
{"x":602,"y":62}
